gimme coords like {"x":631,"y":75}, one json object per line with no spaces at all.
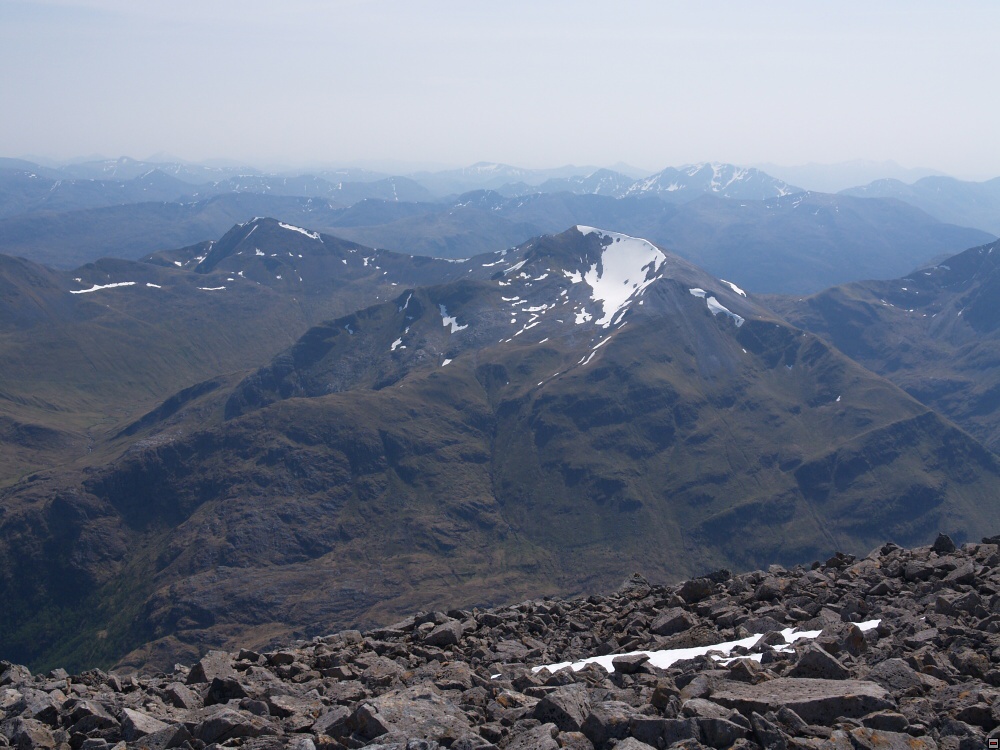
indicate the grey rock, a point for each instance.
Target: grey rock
{"x":422,"y":712}
{"x":696,"y":589}
{"x":181,"y":696}
{"x":768,"y":735}
{"x":943,"y":545}
{"x":900,"y":678}
{"x":25,"y":734}
{"x":224,"y":689}
{"x":333,"y":722}
{"x":672,"y":621}
{"x":567,"y":708}
{"x":864,"y":738}
{"x":172,"y":736}
{"x":446,"y":634}
{"x":631,"y":743}
{"x":814,"y":661}
{"x":226,"y":724}
{"x":211,"y":665}
{"x":136,"y":724}
{"x":816,"y":701}
{"x":720,"y":733}
{"x":606,"y":721}
{"x":538,"y":738}
{"x":888,"y":721}
{"x":629,"y":663}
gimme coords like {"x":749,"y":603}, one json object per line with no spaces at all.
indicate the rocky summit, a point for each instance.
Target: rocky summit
{"x":897,"y":650}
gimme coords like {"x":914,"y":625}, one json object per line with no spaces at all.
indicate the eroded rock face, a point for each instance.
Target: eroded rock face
{"x":927,"y":676}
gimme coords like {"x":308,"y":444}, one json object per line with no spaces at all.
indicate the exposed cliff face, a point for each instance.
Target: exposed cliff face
{"x":899,"y":649}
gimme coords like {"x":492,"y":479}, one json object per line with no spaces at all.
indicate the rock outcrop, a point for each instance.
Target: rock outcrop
{"x":900,"y":649}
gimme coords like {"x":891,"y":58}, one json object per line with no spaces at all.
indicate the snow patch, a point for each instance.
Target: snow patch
{"x":715,"y":307}
{"x":447,"y":320}
{"x":211,"y":288}
{"x":97,"y":287}
{"x":300,"y":230}
{"x":628,"y":265}
{"x":733,"y":286}
{"x":153,"y":286}
{"x":663,"y":659}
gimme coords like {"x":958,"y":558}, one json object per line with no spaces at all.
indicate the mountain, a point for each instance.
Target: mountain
{"x":601,"y":182}
{"x":490,"y":176}
{"x":66,"y":240}
{"x":935,"y":333}
{"x":126,"y":168}
{"x":832,"y":178}
{"x":343,"y":192}
{"x":796,"y":244}
{"x":723,"y":180}
{"x":551,"y":419}
{"x":969,"y":204}
{"x":26,"y":191}
{"x":87,"y":352}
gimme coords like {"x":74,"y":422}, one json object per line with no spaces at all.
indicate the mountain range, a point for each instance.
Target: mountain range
{"x":794,"y":244}
{"x":281,"y":433}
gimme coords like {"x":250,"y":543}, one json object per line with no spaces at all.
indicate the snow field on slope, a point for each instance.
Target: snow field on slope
{"x":628,"y":266}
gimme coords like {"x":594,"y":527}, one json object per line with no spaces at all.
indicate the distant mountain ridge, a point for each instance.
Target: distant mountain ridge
{"x":972,"y":204}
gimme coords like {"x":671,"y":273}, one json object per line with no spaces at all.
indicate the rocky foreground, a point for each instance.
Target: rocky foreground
{"x":927,"y":675}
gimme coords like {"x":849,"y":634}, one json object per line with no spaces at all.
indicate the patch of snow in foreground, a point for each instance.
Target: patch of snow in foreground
{"x":211,"y":288}
{"x":663,"y":659}
{"x":447,"y":320}
{"x":300,"y":230}
{"x":628,"y":266}
{"x":154,"y":286}
{"x":95,"y":287}
{"x":446,"y":362}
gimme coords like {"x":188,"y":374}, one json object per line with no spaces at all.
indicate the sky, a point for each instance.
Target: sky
{"x":537,"y":83}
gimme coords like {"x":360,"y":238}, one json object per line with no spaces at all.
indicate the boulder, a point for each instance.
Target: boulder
{"x":816,"y":701}
{"x":606,"y":721}
{"x":898,"y":677}
{"x":136,"y":724}
{"x":421,"y":712}
{"x":814,"y":661}
{"x":211,"y":665}
{"x":537,"y":738}
{"x":226,"y":724}
{"x":446,"y":634}
{"x":567,"y":708}
{"x":672,"y":621}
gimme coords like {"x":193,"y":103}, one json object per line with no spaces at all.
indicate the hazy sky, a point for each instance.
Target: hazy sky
{"x":538,"y":84}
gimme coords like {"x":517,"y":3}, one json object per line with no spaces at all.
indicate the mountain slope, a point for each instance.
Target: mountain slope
{"x":87,"y":352}
{"x":582,"y":406}
{"x":935,"y":333}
